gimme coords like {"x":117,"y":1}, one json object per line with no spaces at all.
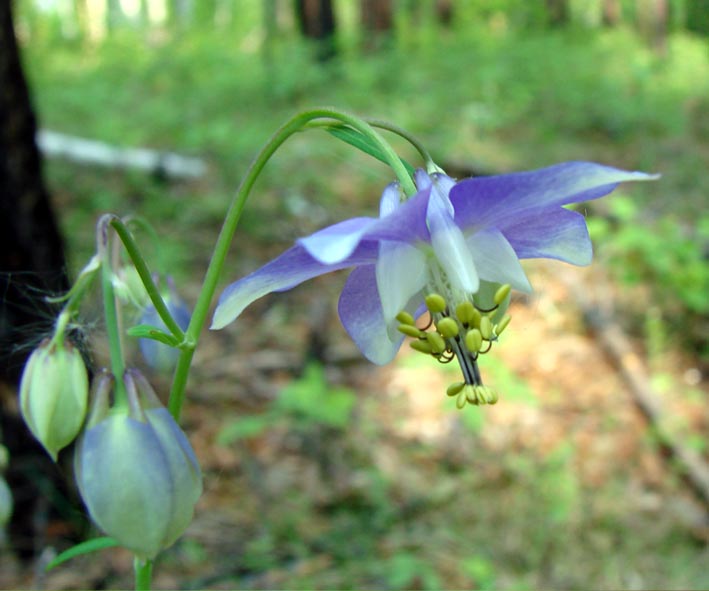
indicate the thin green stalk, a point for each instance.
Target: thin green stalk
{"x":115,"y":345}
{"x":143,"y":571}
{"x":233,"y":215}
{"x":146,"y":277}
{"x":420,"y":148}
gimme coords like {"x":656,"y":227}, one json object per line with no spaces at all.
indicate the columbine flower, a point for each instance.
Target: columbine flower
{"x":135,"y":468}
{"x":452,"y":249}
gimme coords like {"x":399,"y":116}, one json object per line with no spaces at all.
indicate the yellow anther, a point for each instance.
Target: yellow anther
{"x":492,"y":396}
{"x":438,"y":345}
{"x":405,"y":318}
{"x":447,"y":327}
{"x":435,"y":303}
{"x":465,"y":312}
{"x":461,"y":400}
{"x":473,"y":340}
{"x":502,"y":324}
{"x":486,"y":327}
{"x":501,"y":294}
{"x":453,"y":389}
{"x":484,"y":394}
{"x":410,"y":331}
{"x":421,"y":347}
{"x":471,"y":394}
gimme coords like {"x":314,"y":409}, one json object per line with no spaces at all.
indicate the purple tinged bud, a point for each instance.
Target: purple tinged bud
{"x":159,"y":356}
{"x":6,"y":503}
{"x":53,"y":394}
{"x":136,"y":470}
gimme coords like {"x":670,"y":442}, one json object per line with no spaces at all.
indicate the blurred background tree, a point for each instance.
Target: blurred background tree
{"x":32,"y":267}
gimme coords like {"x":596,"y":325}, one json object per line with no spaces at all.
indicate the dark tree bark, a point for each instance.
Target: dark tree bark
{"x":316,"y":20}
{"x":31,"y":265}
{"x":557,"y":12}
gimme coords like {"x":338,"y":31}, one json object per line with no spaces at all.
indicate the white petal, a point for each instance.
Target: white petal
{"x":391,"y":199}
{"x":496,"y":260}
{"x":400,"y":272}
{"x":449,"y":243}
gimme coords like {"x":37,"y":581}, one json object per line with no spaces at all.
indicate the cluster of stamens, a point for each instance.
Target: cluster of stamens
{"x":464,"y":331}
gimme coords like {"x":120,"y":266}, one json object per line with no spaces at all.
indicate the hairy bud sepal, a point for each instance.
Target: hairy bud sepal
{"x":54,"y":394}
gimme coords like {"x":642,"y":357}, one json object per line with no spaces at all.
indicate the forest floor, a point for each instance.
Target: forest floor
{"x":559,"y":485}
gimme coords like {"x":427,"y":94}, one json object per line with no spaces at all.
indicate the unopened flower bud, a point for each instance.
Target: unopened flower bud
{"x":159,"y":356}
{"x":129,"y":287}
{"x":53,"y":394}
{"x":136,"y":470}
{"x":6,"y":503}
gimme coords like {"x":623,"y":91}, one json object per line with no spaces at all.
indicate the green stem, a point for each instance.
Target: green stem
{"x":420,"y":148}
{"x":143,"y":571}
{"x":73,"y":299}
{"x":110,"y":309}
{"x":114,"y":336}
{"x":146,"y":277}
{"x":221,"y":248}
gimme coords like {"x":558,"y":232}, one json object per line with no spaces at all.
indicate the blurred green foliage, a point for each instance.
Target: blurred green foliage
{"x":304,"y":403}
{"x":670,"y":256}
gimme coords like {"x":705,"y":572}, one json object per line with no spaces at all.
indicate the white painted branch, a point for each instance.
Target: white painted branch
{"x":83,"y":151}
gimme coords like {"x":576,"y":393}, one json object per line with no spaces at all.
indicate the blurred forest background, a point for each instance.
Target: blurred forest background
{"x":322,"y":471}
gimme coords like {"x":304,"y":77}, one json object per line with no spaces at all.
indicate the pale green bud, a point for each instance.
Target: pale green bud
{"x":53,"y":394}
{"x":136,"y":470}
{"x":129,"y":287}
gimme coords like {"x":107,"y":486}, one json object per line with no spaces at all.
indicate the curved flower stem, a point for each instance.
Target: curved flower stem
{"x":143,"y":571}
{"x":420,"y":148}
{"x":72,"y":299}
{"x":146,"y":277}
{"x":233,"y":215}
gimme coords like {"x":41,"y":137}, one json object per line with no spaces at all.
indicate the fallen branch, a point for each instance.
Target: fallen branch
{"x":92,"y":152}
{"x":619,"y":350}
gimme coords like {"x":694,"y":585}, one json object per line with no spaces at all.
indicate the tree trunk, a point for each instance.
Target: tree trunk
{"x":653,"y":21}
{"x":316,"y":20}
{"x":31,"y":266}
{"x":445,"y":12}
{"x":612,"y":13}
{"x":557,"y":12}
{"x":377,"y":19}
